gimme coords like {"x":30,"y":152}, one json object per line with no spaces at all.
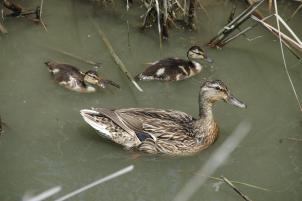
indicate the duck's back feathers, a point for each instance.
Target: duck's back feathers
{"x":170,"y":69}
{"x":135,"y":127}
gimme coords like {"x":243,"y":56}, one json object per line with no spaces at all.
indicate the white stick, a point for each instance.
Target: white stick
{"x":100,"y":181}
{"x":45,"y":194}
{"x":271,"y":28}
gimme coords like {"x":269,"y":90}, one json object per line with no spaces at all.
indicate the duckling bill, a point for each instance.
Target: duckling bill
{"x":163,"y":131}
{"x":73,"y":79}
{"x":175,"y":69}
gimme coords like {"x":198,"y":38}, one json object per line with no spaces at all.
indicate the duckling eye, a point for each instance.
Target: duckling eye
{"x":218,"y":88}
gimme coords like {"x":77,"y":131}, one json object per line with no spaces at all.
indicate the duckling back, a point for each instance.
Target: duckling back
{"x":69,"y":77}
{"x":170,"y":69}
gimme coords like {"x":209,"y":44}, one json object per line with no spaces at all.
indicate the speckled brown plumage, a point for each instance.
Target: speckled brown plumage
{"x":160,"y":130}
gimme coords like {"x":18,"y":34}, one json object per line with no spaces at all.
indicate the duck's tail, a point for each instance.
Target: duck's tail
{"x":139,"y":77}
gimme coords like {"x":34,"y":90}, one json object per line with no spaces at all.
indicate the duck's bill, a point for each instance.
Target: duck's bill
{"x":234,"y":101}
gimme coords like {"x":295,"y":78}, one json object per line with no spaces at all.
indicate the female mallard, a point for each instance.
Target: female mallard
{"x":174,"y":69}
{"x":160,"y":130}
{"x":75,"y":80}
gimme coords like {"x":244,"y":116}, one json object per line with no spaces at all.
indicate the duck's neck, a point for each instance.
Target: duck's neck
{"x":205,"y":124}
{"x":205,"y":107}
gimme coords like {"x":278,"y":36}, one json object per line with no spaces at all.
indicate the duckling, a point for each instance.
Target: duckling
{"x":163,"y":130}
{"x":75,"y":80}
{"x":174,"y":69}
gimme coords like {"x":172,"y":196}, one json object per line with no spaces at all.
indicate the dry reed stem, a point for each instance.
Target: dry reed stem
{"x":233,"y":25}
{"x":283,"y":57}
{"x":117,"y":60}
{"x":270,"y":5}
{"x":235,"y":188}
{"x":158,"y":23}
{"x":292,"y":45}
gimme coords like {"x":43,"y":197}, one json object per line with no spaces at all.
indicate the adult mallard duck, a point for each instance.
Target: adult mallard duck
{"x":75,"y":80}
{"x":160,"y":130}
{"x":174,"y":69}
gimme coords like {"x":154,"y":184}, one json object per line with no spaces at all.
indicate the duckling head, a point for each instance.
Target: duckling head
{"x":212,"y":91}
{"x":196,"y":52}
{"x":92,"y":77}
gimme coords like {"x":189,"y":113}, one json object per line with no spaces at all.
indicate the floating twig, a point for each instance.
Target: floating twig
{"x":44,"y":195}
{"x":217,"y":158}
{"x":235,"y":189}
{"x":97,"y":64}
{"x":98,"y":182}
{"x":117,"y":60}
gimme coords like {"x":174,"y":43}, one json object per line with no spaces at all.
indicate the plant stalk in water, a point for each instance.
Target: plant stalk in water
{"x":235,"y":189}
{"x":117,"y":60}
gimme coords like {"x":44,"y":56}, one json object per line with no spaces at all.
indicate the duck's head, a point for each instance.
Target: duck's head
{"x":196,"y":52}
{"x":216,"y":90}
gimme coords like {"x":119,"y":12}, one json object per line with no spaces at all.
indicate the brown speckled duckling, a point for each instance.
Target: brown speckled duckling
{"x":163,"y":131}
{"x":75,"y":80}
{"x":174,"y":69}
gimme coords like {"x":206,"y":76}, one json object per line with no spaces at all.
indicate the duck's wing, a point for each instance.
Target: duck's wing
{"x":149,"y":122}
{"x":156,"y":122}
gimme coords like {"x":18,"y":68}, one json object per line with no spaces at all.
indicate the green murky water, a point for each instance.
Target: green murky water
{"x":48,"y":144}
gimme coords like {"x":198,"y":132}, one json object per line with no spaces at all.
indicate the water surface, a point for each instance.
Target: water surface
{"x":48,"y":144}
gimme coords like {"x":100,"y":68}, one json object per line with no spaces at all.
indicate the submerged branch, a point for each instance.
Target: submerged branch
{"x":117,"y":60}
